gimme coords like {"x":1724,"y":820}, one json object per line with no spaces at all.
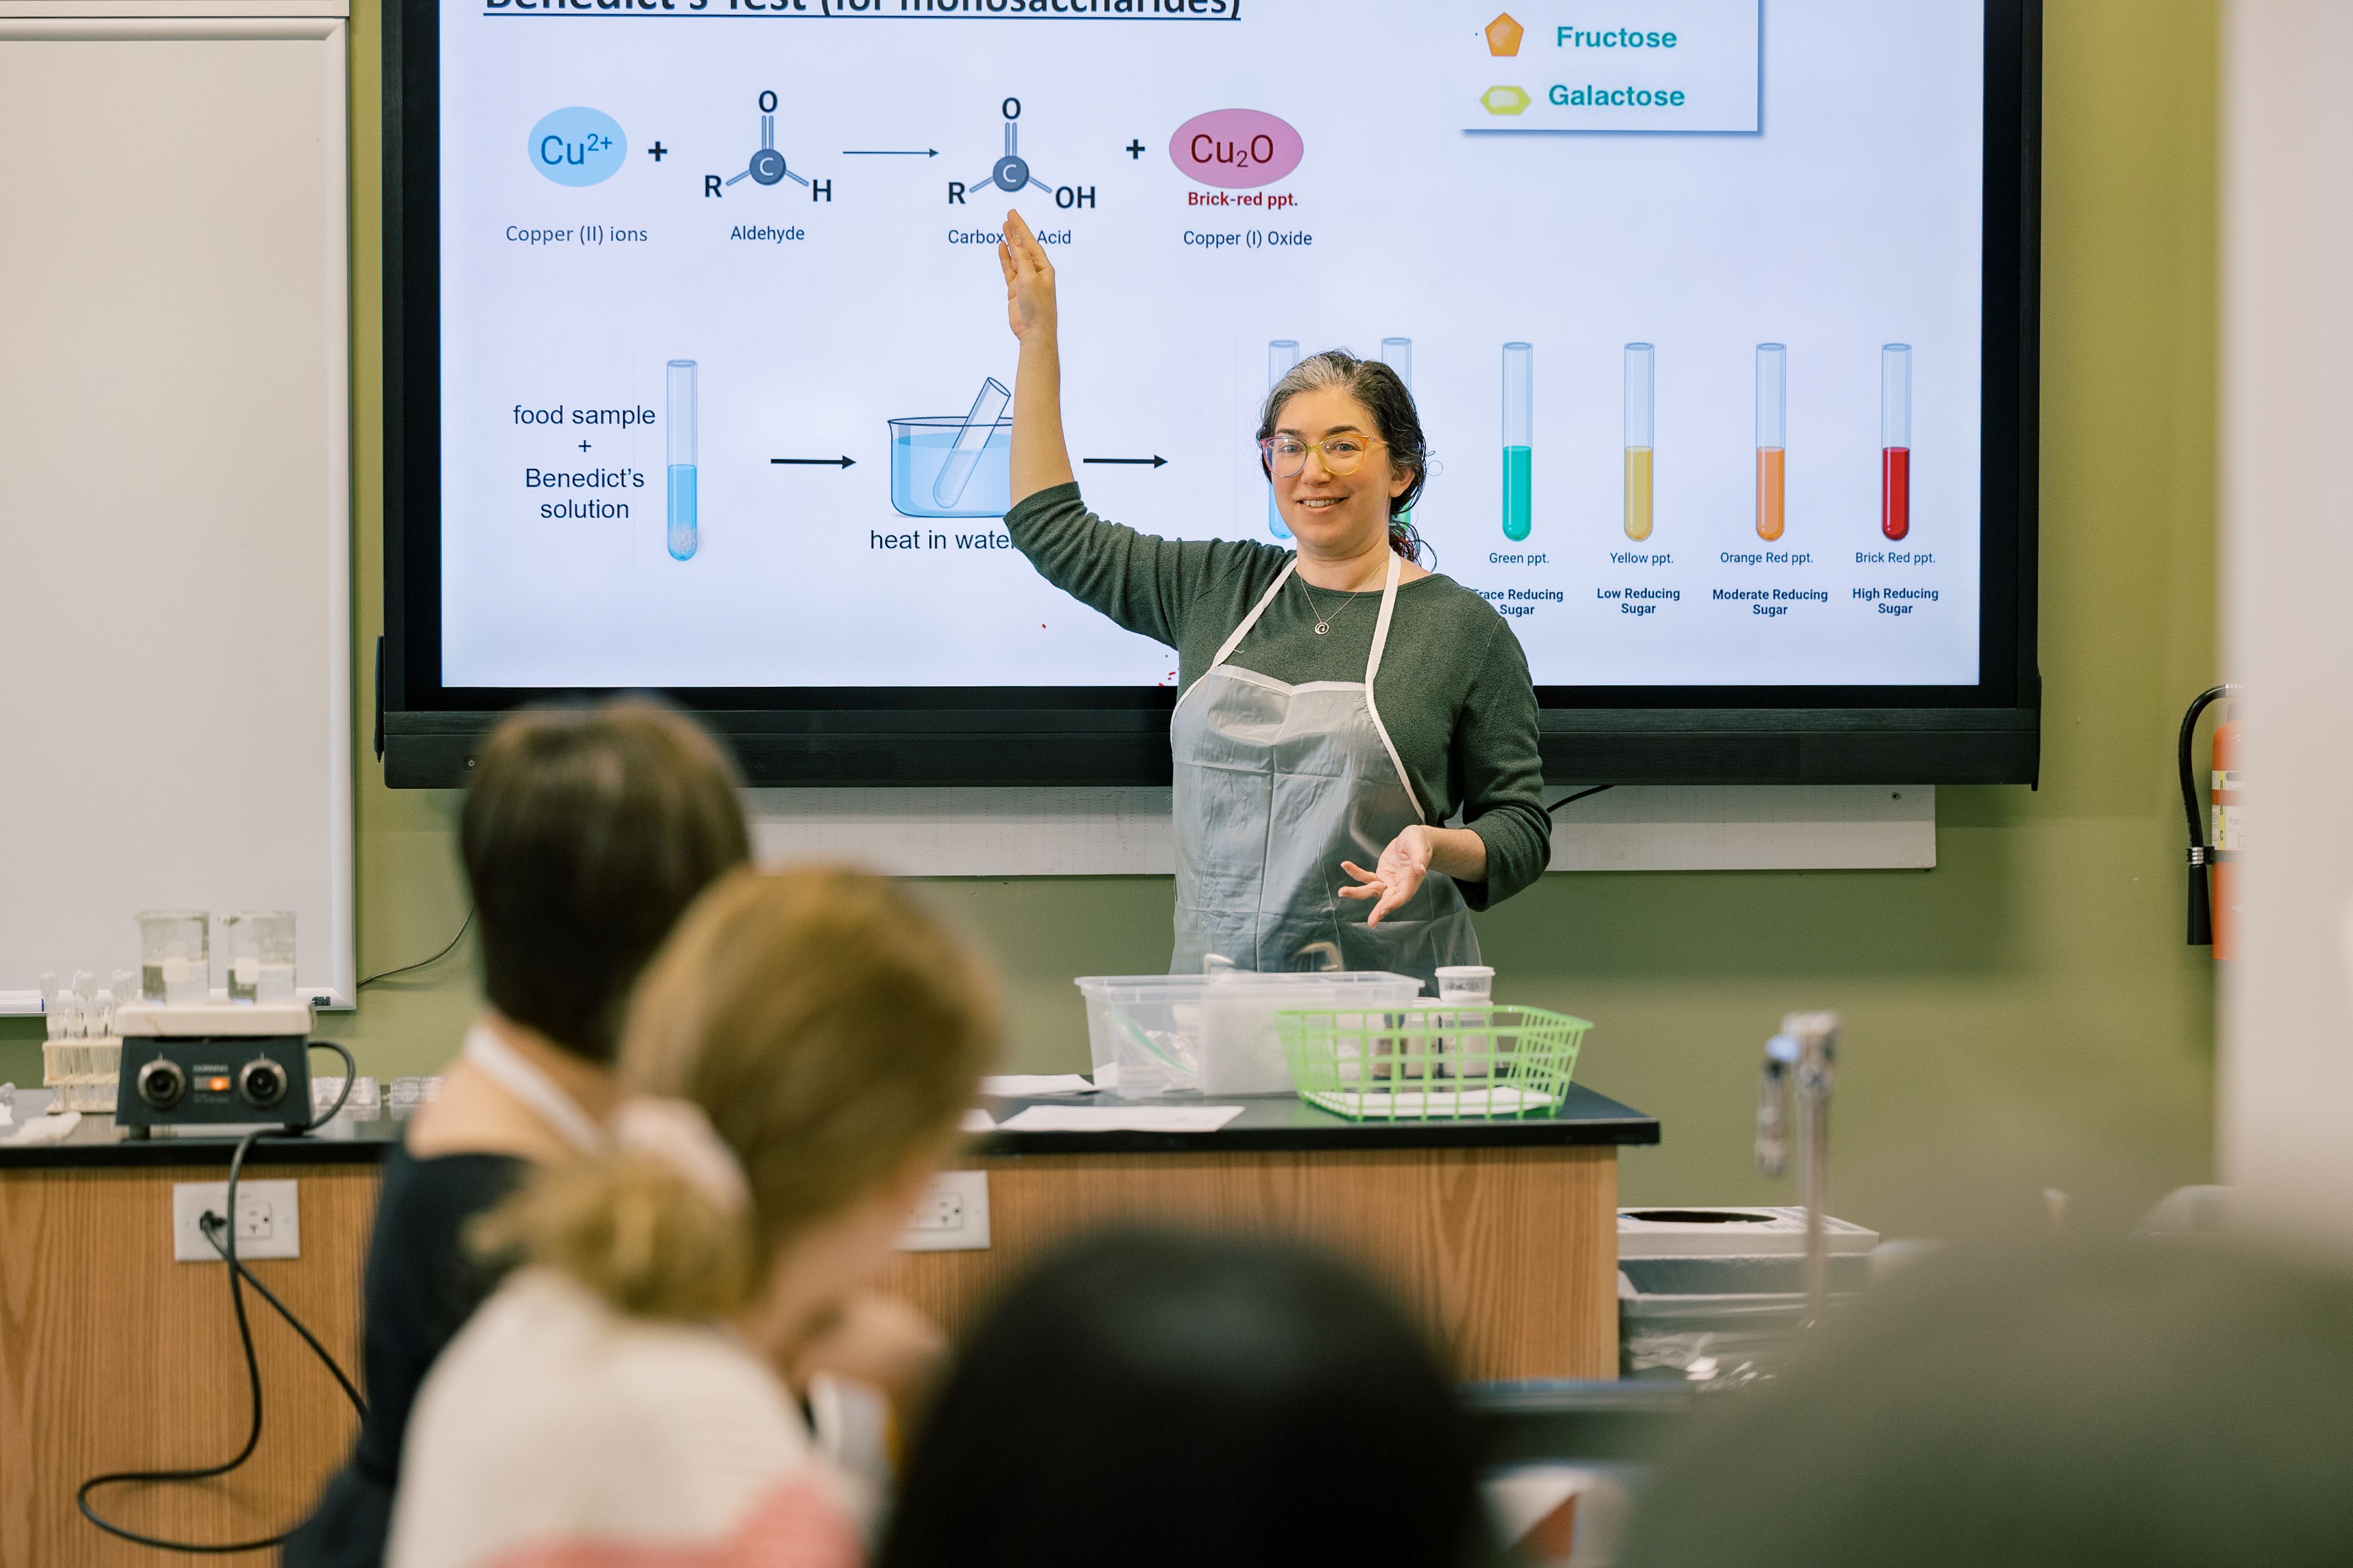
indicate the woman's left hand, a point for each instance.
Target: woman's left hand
{"x":1397,"y":877}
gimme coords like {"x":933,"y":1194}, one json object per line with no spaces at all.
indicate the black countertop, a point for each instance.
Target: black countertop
{"x":1272,"y":1122}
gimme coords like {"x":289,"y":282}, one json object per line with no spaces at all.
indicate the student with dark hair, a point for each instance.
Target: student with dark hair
{"x":1149,"y":1399}
{"x":586,"y":832}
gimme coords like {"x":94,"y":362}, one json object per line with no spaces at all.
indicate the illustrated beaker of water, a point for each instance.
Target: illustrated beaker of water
{"x":261,"y":944}
{"x":1641,"y":385}
{"x":1772,"y":435}
{"x":948,"y":465}
{"x":1282,"y":354}
{"x":1519,"y":441}
{"x":1895,"y":439}
{"x":175,"y":955}
{"x":685,"y":529}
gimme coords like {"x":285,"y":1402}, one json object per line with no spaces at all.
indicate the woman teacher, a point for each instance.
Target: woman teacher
{"x":1339,"y":704}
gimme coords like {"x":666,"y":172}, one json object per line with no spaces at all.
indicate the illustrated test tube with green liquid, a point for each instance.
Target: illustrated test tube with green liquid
{"x":684,"y":532}
{"x":1519,"y":446}
{"x":1397,"y":354}
{"x":1641,"y":385}
{"x":1281,"y":355}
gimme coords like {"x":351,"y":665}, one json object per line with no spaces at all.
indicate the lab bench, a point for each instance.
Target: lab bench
{"x":1500,"y":1235}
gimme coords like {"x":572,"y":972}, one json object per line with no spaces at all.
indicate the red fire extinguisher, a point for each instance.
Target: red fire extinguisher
{"x":2227,"y":839}
{"x":2214,"y":907}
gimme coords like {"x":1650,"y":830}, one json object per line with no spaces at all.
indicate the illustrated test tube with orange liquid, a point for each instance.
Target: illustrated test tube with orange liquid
{"x":1639,"y":386}
{"x":1772,"y":430}
{"x":1895,"y":439}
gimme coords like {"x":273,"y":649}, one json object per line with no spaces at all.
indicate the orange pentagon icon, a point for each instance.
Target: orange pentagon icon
{"x":1504,"y":36}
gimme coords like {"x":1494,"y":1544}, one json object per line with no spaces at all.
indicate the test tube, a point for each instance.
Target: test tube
{"x":1895,"y":439}
{"x":1282,"y":354}
{"x":1772,"y":432}
{"x":1640,"y":374}
{"x":1519,"y":444}
{"x":1397,"y":354}
{"x":685,"y":530}
{"x":964,"y":454}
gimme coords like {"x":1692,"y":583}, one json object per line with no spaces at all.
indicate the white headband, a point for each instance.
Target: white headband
{"x":676,"y":1133}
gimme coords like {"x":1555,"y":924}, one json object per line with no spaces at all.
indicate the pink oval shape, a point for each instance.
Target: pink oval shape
{"x":1236,"y":149}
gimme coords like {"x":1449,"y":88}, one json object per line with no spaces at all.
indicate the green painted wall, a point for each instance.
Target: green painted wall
{"x":2022,"y":1016}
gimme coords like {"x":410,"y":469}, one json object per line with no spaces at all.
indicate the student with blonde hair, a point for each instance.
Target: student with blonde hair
{"x":794,"y":1067}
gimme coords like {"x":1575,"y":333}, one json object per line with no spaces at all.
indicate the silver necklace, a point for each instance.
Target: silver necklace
{"x":1323,"y":621}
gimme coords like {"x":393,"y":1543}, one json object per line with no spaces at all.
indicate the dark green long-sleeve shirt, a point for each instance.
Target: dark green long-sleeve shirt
{"x":1453,"y":692}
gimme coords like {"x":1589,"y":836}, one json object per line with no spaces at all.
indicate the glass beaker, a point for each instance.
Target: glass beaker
{"x":260,"y":946}
{"x":175,"y":955}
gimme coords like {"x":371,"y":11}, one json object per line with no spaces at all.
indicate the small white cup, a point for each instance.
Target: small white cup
{"x":1466,"y":983}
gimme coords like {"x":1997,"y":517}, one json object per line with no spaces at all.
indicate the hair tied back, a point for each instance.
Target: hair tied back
{"x":677,"y":1135}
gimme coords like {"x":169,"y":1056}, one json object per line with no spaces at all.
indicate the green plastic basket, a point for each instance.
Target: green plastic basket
{"x":1431,"y":1060}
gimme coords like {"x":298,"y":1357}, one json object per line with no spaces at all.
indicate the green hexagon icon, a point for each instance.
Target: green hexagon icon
{"x":1504,"y":99}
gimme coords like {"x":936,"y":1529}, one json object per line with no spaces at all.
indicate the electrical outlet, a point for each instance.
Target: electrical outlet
{"x":951,"y":1216}
{"x":268,"y":1219}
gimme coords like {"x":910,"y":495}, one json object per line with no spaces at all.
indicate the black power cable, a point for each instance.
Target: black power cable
{"x":422,"y":963}
{"x":2202,"y":896}
{"x":1581,"y":795}
{"x":238,"y":1276}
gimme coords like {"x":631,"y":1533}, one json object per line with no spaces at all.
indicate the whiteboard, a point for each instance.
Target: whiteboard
{"x":175,"y":675}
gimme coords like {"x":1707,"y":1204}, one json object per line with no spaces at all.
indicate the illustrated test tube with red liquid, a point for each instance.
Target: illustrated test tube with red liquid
{"x":1895,"y":439}
{"x":1772,"y":432}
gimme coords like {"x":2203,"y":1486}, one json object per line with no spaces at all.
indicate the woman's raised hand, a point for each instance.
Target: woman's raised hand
{"x":1028,"y":279}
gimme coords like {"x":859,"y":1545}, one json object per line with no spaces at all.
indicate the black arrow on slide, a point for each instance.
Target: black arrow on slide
{"x":841,"y":462}
{"x":1139,"y":462}
{"x":892,"y":152}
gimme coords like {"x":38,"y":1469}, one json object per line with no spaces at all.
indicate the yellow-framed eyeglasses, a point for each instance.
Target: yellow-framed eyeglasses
{"x":1345,"y":454}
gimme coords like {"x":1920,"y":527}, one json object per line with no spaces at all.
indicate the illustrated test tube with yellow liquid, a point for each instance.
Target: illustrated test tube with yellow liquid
{"x":1519,"y":440}
{"x":1640,"y":369}
{"x":1772,"y":433}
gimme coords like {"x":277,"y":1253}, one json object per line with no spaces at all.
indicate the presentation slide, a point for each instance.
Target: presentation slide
{"x":1688,"y":292}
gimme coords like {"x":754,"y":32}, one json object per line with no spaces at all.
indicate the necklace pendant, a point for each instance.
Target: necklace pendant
{"x":1322,"y":627}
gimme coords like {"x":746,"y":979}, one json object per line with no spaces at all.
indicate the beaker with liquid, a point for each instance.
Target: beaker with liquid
{"x":1519,"y":443}
{"x":1895,"y":439}
{"x":1640,"y":387}
{"x":1282,"y":354}
{"x":942,"y":466}
{"x":260,"y":946}
{"x":685,"y":525}
{"x":1772,"y":435}
{"x":175,"y":955}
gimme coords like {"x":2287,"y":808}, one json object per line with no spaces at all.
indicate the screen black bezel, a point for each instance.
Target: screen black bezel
{"x":1919,"y":734}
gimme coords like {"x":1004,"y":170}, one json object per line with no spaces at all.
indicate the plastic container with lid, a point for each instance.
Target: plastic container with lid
{"x":1215,"y":1034}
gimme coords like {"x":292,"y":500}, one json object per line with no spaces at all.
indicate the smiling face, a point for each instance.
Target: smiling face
{"x":1339,"y":516}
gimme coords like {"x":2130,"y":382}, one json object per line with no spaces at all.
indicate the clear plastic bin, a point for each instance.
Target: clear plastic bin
{"x":1182,"y":1033}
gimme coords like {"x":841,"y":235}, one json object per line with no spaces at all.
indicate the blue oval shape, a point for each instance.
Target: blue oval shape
{"x":578,"y":146}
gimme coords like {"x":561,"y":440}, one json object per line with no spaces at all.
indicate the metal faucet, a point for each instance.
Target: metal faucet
{"x":1805,"y":1051}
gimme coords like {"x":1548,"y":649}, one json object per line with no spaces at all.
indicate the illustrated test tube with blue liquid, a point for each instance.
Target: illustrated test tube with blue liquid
{"x":1281,"y":355}
{"x":1519,"y":443}
{"x":1397,"y":354}
{"x":684,"y":532}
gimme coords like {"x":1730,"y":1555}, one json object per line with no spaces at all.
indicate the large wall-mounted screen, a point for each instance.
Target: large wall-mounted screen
{"x":1707,"y":305}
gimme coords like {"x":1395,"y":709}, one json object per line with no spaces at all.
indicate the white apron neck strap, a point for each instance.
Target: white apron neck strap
{"x":1235,"y":641}
{"x":1373,"y":668}
{"x":529,"y":1083}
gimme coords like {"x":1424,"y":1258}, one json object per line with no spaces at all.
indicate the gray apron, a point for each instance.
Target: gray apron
{"x":1275,"y":785}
